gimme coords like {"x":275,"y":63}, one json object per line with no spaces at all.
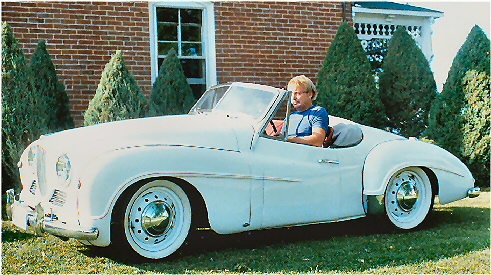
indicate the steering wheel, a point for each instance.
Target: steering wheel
{"x":274,"y":127}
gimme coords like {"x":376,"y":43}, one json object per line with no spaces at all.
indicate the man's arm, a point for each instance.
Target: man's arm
{"x":316,"y":139}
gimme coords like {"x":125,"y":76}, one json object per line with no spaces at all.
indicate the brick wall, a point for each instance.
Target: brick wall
{"x":81,"y":37}
{"x":261,"y":42}
{"x":270,"y":42}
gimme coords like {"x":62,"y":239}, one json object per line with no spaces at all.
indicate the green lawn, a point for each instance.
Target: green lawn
{"x":455,"y":240}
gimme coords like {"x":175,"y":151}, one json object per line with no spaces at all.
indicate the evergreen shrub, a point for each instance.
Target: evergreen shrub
{"x":477,"y":131}
{"x":454,"y":120}
{"x":171,"y":92}
{"x":407,"y":86}
{"x":346,"y":87}
{"x":46,"y":82}
{"x":117,"y":97}
{"x":446,"y":121}
{"x":23,"y":109}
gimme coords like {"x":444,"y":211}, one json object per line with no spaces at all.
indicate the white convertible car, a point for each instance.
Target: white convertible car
{"x":145,"y":185}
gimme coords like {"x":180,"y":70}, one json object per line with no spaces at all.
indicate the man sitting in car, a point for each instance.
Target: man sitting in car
{"x":309,"y":123}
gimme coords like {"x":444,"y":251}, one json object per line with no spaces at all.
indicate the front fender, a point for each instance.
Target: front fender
{"x":224,"y":185}
{"x":385,"y":159}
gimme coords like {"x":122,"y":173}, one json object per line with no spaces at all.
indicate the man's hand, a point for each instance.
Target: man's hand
{"x":316,"y":139}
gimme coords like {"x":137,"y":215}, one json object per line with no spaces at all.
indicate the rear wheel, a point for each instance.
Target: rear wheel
{"x":408,"y":198}
{"x":152,"y":220}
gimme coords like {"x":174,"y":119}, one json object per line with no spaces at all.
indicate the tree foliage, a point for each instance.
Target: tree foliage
{"x":23,"y":109}
{"x":46,"y":83}
{"x":446,"y":121}
{"x":477,"y":131}
{"x":451,"y":124}
{"x":345,"y":84}
{"x":117,"y":97}
{"x":171,"y":92}
{"x":407,"y":86}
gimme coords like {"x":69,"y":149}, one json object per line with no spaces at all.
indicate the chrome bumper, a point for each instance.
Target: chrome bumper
{"x":473,"y":192}
{"x":37,"y":221}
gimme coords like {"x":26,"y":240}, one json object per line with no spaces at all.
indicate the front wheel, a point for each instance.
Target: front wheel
{"x":408,"y":198}
{"x":152,"y":220}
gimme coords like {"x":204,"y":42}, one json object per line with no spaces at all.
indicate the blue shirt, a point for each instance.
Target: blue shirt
{"x":302,"y":123}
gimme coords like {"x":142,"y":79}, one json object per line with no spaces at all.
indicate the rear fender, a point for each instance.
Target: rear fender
{"x":454,"y":179}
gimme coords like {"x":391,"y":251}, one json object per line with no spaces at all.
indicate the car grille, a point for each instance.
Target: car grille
{"x":58,"y":198}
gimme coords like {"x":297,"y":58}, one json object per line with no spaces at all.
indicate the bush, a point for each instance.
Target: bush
{"x":46,"y":82}
{"x":407,"y":86}
{"x":446,"y":121}
{"x":171,"y":93}
{"x":455,"y":122}
{"x":345,"y":83}
{"x":117,"y":97}
{"x":477,"y":130}
{"x":23,"y":110}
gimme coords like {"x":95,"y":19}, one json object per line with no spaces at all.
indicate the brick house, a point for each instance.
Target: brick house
{"x":217,"y":41}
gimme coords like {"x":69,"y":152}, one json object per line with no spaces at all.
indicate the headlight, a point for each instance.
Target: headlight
{"x":63,"y":168}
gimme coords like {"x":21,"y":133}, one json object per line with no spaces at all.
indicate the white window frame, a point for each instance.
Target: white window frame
{"x":208,"y":47}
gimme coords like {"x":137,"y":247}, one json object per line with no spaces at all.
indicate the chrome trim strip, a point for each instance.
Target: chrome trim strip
{"x":228,"y":176}
{"x":328,"y":161}
{"x":445,"y":170}
{"x":178,"y":145}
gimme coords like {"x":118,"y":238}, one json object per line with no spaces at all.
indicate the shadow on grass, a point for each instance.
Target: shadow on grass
{"x":356,"y":245}
{"x":13,"y":235}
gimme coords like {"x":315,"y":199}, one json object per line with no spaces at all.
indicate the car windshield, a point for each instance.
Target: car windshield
{"x":249,"y":99}
{"x":209,"y":99}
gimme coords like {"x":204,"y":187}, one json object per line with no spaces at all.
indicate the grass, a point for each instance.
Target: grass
{"x":454,"y":240}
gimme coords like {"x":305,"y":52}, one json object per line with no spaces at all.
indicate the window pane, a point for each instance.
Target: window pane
{"x":193,"y":68}
{"x":191,"y":49}
{"x":167,"y":32}
{"x":191,"y":33}
{"x":164,"y":47}
{"x":167,"y":15}
{"x":191,"y":16}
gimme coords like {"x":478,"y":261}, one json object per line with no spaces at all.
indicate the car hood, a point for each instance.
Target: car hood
{"x":216,"y":132}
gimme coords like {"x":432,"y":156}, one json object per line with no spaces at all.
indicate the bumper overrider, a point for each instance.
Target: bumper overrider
{"x":473,"y":192}
{"x":36,"y":220}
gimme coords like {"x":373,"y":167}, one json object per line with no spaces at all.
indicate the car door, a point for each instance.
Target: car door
{"x":297,"y":184}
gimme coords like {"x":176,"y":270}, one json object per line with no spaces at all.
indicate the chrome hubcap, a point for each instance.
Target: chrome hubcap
{"x":407,"y":194}
{"x":153,"y":217}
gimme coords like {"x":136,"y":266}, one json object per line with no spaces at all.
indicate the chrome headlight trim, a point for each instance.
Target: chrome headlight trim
{"x":63,"y":168}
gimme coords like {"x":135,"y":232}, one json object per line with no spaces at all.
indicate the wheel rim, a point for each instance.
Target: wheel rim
{"x":408,"y":199}
{"x":156,"y":221}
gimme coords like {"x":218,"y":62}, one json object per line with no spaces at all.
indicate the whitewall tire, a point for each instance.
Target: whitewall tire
{"x":154,"y":221}
{"x":408,"y":198}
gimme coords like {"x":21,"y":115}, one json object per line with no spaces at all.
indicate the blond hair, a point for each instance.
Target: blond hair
{"x":305,"y":82}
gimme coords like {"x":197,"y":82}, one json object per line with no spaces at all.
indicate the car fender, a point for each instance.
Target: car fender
{"x":108,"y":176}
{"x":454,"y":178}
